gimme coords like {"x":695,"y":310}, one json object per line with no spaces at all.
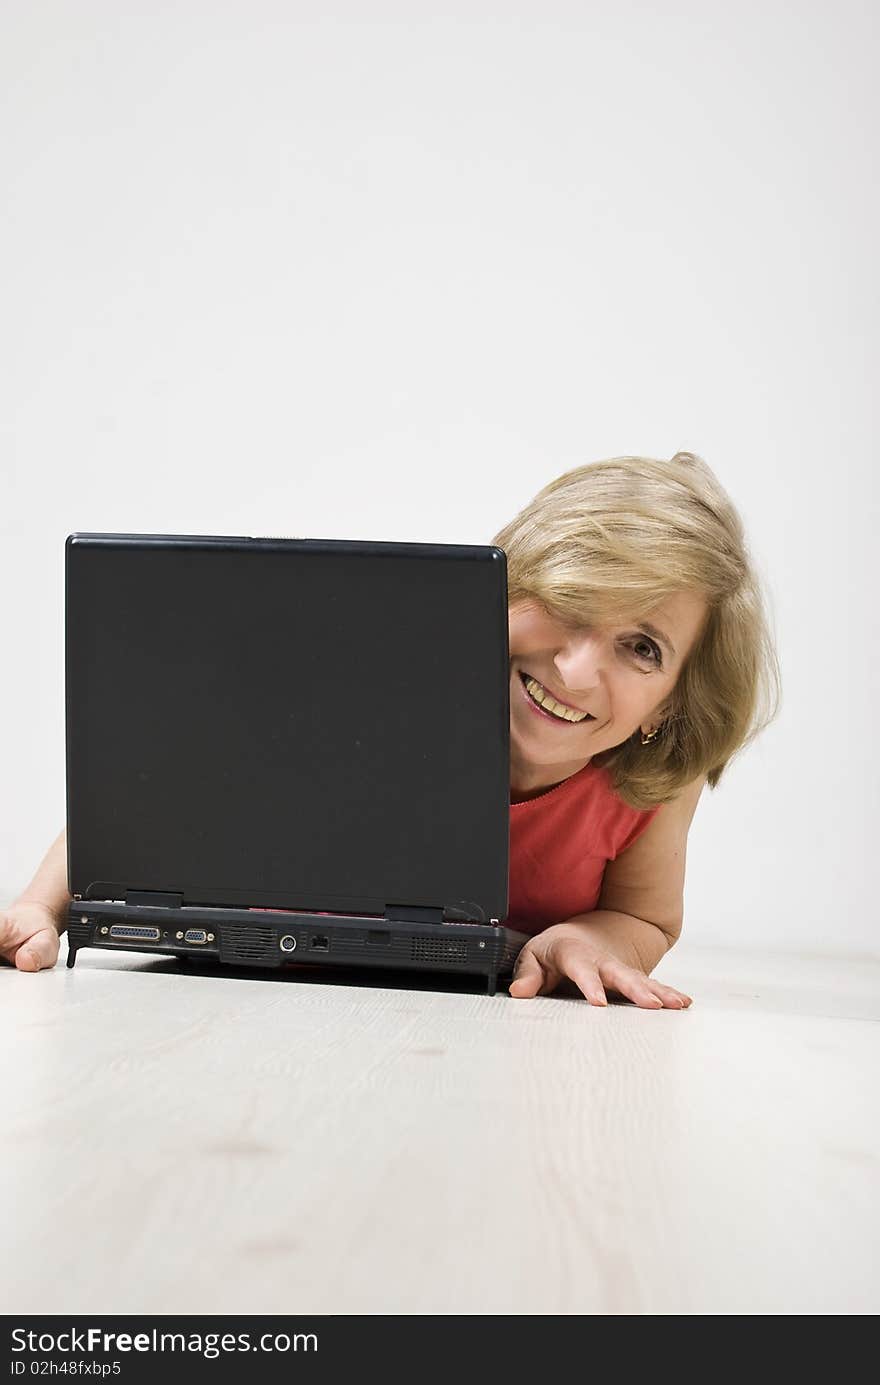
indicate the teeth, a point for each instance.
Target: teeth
{"x":550,"y":704}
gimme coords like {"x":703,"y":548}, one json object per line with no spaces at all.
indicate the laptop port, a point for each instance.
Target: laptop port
{"x":288,"y":943}
{"x":196,"y":935}
{"x":138,"y":932}
{"x":320,"y":943}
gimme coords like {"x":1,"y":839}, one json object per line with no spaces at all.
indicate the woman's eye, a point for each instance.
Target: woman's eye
{"x":653,"y":651}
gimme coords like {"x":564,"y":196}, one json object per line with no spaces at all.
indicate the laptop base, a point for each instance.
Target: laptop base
{"x":272,"y":938}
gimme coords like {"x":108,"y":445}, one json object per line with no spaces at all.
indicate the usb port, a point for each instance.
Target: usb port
{"x":320,"y":943}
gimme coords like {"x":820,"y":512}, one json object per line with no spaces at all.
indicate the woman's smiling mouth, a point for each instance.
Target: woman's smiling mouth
{"x":544,"y":704}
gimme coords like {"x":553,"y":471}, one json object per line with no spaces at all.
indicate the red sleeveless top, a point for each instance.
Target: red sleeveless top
{"x":560,"y":843}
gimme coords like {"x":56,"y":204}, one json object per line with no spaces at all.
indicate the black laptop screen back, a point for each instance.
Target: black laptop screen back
{"x":310,"y":724}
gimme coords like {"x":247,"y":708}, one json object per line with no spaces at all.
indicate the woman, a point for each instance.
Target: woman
{"x":636,"y":622}
{"x":640,"y":663}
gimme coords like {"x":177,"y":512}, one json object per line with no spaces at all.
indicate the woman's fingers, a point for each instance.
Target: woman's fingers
{"x":630,"y":983}
{"x":586,"y":978}
{"x":40,"y":950}
{"x":532,"y":977}
{"x":528,"y":976}
{"x":571,"y":959}
{"x":28,"y":937}
{"x":672,"y":999}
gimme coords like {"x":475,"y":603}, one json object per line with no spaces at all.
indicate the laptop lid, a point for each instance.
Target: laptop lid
{"x":294,"y":723}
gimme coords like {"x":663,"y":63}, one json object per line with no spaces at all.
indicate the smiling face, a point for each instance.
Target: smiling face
{"x":621,"y":675}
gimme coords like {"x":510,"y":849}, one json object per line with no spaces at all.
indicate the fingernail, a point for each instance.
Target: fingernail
{"x":35,"y":959}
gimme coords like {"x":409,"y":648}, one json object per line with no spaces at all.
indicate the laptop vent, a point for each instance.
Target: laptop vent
{"x":438,"y":950}
{"x":249,"y":945}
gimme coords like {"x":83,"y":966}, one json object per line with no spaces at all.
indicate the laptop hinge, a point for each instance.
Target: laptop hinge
{"x":157,"y":898}
{"x":412,"y":913}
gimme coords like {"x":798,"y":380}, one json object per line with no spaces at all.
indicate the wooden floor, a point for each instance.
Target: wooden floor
{"x":183,"y":1142}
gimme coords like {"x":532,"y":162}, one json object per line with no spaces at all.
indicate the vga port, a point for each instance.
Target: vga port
{"x":196,"y":935}
{"x":141,"y":932}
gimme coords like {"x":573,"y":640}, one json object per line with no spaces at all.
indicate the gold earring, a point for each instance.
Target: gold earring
{"x":646,"y":740}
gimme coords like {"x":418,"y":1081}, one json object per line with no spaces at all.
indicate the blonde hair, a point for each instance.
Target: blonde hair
{"x":607,"y":542}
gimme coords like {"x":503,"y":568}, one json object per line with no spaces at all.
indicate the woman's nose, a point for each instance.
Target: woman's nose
{"x":580,"y":662}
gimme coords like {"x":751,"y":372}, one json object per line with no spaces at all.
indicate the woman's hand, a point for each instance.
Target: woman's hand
{"x":566,"y":949}
{"x":29,"y":936}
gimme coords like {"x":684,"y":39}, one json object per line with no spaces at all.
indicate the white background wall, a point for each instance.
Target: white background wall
{"x":384,"y":273}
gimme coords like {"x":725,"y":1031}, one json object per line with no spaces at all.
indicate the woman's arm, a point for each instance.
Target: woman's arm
{"x":49,"y":885}
{"x":638,"y":917}
{"x":646,"y":882}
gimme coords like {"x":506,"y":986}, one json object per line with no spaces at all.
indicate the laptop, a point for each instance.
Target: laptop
{"x":283,"y":751}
